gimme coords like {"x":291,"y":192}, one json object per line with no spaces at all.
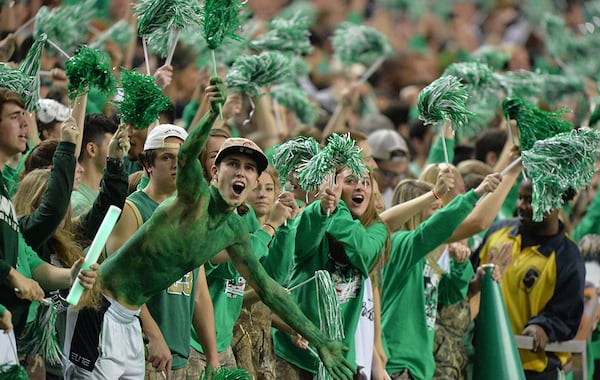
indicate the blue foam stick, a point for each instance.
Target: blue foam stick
{"x":108,"y":223}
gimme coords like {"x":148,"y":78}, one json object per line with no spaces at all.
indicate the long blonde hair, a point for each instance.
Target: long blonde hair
{"x":406,"y":190}
{"x":28,"y":198}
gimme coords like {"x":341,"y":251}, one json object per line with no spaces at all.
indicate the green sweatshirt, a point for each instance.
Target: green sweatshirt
{"x":348,"y":269}
{"x":408,"y":336}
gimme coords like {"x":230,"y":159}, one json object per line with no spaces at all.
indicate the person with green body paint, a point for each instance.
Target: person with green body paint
{"x":196,"y":224}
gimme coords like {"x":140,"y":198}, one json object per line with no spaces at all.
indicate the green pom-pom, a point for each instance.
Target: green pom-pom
{"x":341,"y":151}
{"x":89,"y":67}
{"x":296,"y":100}
{"x":533,"y":123}
{"x":576,"y":54}
{"x":299,"y":67}
{"x":224,"y":373}
{"x":120,"y":32}
{"x":287,"y":36}
{"x":289,"y":155}
{"x":66,"y":25}
{"x":413,"y":9}
{"x":142,"y":101}
{"x":534,"y":86}
{"x":560,"y":164}
{"x":483,"y":95}
{"x":31,"y":66}
{"x":473,"y":74}
{"x":251,"y":72}
{"x":491,"y":56}
{"x":302,"y":9}
{"x":21,"y":83}
{"x":359,"y":44}
{"x":13,"y":372}
{"x":167,"y":14}
{"x":221,"y":19}
{"x":444,"y":100}
{"x":39,"y":337}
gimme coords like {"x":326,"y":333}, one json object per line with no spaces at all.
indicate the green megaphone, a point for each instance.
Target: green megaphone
{"x":496,"y":353}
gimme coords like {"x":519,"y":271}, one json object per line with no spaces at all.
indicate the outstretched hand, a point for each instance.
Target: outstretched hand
{"x":215,"y":93}
{"x":332,"y":356}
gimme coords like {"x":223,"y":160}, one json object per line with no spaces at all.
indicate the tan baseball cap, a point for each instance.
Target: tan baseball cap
{"x":244,"y":146}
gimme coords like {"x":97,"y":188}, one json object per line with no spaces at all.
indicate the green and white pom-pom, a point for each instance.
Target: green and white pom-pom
{"x":474,"y":74}
{"x":535,"y":86}
{"x":220,"y":20}
{"x":225,"y":373}
{"x":413,"y":9}
{"x":287,"y":36}
{"x":299,"y":67}
{"x":491,"y":56}
{"x":40,"y":338}
{"x":533,"y":123}
{"x":142,"y":101}
{"x":31,"y":66}
{"x":559,"y":164}
{"x":359,"y":44}
{"x":296,"y":100}
{"x":252,"y":72}
{"x":66,"y":25}
{"x":341,"y":151}
{"x":483,"y":95}
{"x":444,"y":100}
{"x":89,"y":67}
{"x":576,"y":54}
{"x":303,"y":9}
{"x":119,"y":32}
{"x":330,"y":316}
{"x":167,"y":14}
{"x":291,"y":154}
{"x":21,"y":83}
{"x":13,"y":372}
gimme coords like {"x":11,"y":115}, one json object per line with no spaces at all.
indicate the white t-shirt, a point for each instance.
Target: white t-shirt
{"x":365,"y":331}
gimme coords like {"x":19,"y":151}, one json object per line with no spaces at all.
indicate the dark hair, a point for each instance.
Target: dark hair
{"x":40,"y":156}
{"x":490,"y":140}
{"x":215,"y":132}
{"x":96,"y":125}
{"x":146,"y":158}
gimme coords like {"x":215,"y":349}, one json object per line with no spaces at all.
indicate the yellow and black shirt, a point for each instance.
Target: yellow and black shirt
{"x":543,"y":285}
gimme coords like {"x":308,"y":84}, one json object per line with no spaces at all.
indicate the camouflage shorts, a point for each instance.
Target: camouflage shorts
{"x":286,"y":370}
{"x":197,"y":362}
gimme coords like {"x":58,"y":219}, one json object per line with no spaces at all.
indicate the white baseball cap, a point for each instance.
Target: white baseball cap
{"x":157,"y":136}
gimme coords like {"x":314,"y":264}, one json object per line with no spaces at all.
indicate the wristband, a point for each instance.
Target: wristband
{"x":270,"y":226}
{"x":436,"y":195}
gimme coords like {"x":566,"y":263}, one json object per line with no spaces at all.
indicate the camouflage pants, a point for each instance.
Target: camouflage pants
{"x":448,"y":348}
{"x":252,"y":342}
{"x":286,"y":370}
{"x":197,"y":362}
{"x":404,"y":375}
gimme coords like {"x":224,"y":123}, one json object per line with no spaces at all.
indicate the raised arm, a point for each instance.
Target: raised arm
{"x":190,"y":182}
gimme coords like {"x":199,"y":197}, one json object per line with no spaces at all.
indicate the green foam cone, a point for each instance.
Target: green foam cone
{"x":496,"y":354}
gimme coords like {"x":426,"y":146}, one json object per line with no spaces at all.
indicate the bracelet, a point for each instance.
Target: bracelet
{"x":436,"y":195}
{"x":271,"y":226}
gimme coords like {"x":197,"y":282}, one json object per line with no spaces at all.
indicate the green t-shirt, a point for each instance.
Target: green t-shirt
{"x":82,"y":200}
{"x":403,"y":289}
{"x":348,"y":269}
